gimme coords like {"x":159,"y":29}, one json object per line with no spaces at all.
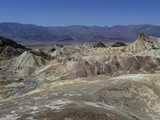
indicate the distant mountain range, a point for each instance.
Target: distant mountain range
{"x":31,"y":34}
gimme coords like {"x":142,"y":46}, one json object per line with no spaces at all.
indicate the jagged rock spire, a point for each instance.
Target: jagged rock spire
{"x":143,"y":36}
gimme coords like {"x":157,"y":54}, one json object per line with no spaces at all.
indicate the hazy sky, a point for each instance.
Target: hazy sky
{"x":80,"y":12}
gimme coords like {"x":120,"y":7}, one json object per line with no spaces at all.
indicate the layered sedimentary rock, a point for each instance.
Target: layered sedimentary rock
{"x":82,"y":82}
{"x":26,"y":63}
{"x":98,"y":65}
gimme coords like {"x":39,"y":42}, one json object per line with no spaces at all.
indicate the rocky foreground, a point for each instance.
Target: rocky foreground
{"x":128,"y":97}
{"x":82,"y":82}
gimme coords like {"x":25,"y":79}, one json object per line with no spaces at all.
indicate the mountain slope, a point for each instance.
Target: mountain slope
{"x":9,"y":48}
{"x":27,"y":33}
{"x":26,"y":63}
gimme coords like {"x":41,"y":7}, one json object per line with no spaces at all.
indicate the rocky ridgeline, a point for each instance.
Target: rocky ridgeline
{"x":8,"y":42}
{"x":30,"y":60}
{"x":9,"y":48}
{"x":26,"y":63}
{"x":145,"y":41}
{"x":100,"y":65}
{"x":142,"y":44}
{"x":58,"y":78}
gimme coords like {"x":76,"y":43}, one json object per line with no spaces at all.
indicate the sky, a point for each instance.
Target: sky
{"x":80,"y":12}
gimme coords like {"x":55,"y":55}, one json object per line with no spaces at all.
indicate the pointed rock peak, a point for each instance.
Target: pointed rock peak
{"x":99,"y":44}
{"x":143,"y":36}
{"x":118,"y":44}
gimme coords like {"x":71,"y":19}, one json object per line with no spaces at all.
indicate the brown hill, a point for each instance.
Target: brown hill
{"x":100,"y":65}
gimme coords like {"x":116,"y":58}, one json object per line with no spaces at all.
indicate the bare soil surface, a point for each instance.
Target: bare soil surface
{"x":128,"y":97}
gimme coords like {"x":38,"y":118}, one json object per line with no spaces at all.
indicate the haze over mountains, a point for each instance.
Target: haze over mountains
{"x":31,"y":34}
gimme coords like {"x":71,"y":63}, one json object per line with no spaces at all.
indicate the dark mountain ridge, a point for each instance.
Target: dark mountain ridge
{"x":9,"y":48}
{"x":28,"y":33}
